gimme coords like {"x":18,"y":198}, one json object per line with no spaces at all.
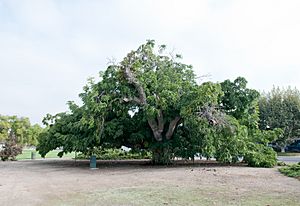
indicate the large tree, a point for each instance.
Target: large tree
{"x":145,"y":96}
{"x":151,"y":100}
{"x":280,"y":108}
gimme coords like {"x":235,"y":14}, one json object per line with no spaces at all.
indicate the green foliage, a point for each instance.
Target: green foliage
{"x":260,"y":156}
{"x":123,"y":107}
{"x":25,"y":133}
{"x":115,"y":154}
{"x":258,"y":153}
{"x":10,"y":150}
{"x":291,"y":170}
{"x":66,"y":130}
{"x":4,"y":127}
{"x":280,"y":108}
{"x":195,"y":135}
{"x":281,"y":164}
{"x":231,"y":142}
{"x":33,"y":133}
{"x":240,"y":102}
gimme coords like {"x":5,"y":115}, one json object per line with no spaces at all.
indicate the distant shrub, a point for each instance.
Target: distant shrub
{"x":291,"y":170}
{"x":116,"y":154}
{"x":261,"y":156}
{"x":10,"y":151}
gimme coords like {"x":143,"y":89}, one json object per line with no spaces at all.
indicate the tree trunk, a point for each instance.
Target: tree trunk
{"x":161,"y":155}
{"x":282,"y":149}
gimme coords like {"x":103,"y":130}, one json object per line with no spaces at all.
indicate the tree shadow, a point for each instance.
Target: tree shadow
{"x":125,"y":164}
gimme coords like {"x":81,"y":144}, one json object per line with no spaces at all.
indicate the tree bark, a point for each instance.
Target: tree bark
{"x":160,"y":120}
{"x":132,"y":80}
{"x":132,"y":99}
{"x":161,"y":156}
{"x":172,"y":127}
{"x":155,"y":129}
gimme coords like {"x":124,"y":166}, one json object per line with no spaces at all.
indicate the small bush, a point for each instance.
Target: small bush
{"x":281,"y":164}
{"x":116,"y":154}
{"x":10,"y":151}
{"x":261,"y":156}
{"x":291,"y":170}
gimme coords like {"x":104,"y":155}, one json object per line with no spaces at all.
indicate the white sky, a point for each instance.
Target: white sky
{"x":49,"y":48}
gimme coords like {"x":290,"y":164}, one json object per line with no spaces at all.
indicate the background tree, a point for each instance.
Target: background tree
{"x":240,"y":102}
{"x":4,"y":127}
{"x":280,"y":108}
{"x":24,"y":132}
{"x":32,"y":134}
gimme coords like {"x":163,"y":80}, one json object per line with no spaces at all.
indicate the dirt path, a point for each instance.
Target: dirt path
{"x":61,"y":182}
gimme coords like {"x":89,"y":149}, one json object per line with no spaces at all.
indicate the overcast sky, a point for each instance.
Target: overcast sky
{"x":48,"y":49}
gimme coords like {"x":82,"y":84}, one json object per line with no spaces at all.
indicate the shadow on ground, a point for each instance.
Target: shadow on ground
{"x":123,"y":164}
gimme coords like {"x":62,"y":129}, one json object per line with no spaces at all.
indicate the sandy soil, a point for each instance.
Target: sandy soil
{"x":58,"y":182}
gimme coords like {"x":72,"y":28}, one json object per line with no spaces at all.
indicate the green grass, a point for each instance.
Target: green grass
{"x":26,"y":154}
{"x":288,"y":154}
{"x":291,"y":170}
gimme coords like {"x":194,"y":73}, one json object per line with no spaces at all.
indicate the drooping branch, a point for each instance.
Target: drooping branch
{"x":214,"y":116}
{"x":172,"y":127}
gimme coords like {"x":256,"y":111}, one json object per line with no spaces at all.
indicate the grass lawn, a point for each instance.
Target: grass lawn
{"x":26,"y":154}
{"x":161,"y":195}
{"x":291,"y":170}
{"x":288,"y":154}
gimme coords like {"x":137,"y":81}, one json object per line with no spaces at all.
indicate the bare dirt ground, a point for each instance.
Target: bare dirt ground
{"x":62,"y":182}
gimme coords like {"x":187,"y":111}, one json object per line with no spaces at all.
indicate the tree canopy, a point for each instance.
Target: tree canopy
{"x":20,"y":128}
{"x":280,"y":108}
{"x":152,"y":101}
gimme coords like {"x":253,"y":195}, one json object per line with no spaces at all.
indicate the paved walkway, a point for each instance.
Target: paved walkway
{"x":289,"y":159}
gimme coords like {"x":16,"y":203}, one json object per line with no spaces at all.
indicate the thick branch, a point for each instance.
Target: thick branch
{"x":155,"y":129}
{"x":172,"y":127}
{"x":160,"y":120}
{"x":132,"y":99}
{"x":132,"y":80}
